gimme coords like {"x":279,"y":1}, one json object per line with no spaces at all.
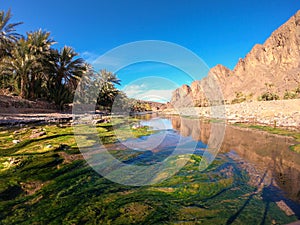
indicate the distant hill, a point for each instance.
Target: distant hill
{"x":272,"y":67}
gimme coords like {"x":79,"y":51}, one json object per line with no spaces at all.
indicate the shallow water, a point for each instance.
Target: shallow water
{"x":271,"y":168}
{"x":196,"y":173}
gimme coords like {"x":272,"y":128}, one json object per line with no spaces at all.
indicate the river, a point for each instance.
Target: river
{"x":252,"y":158}
{"x":157,"y":170}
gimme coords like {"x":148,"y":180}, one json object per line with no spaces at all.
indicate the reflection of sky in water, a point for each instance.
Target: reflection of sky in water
{"x":158,"y":124}
{"x":172,"y":144}
{"x":165,"y":140}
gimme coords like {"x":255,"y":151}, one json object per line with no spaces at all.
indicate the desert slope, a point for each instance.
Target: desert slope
{"x":272,"y":66}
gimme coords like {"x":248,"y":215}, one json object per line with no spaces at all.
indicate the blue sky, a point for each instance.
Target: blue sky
{"x":218,"y":31}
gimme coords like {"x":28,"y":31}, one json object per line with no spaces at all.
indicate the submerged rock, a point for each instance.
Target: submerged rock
{"x":285,"y":208}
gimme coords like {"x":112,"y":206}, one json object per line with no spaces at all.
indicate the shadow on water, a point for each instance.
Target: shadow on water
{"x":256,"y":191}
{"x":272,"y":193}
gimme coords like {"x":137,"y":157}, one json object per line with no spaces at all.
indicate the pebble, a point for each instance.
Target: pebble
{"x":136,"y":126}
{"x":16,"y":141}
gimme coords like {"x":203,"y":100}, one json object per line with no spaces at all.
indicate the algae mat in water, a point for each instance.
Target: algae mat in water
{"x":44,"y":180}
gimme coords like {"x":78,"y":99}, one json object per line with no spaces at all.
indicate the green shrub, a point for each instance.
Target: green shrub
{"x":290,"y":95}
{"x":268,"y":96}
{"x":239,"y":98}
{"x":298,"y":90}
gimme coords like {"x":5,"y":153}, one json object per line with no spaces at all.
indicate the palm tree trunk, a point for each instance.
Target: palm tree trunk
{"x":32,"y":88}
{"x":23,"y":87}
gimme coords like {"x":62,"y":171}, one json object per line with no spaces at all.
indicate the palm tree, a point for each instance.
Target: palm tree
{"x":88,"y":88}
{"x":27,"y":62}
{"x":65,"y":73}
{"x":8,"y":34}
{"x":40,"y":46}
{"x":40,"y":42}
{"x":20,"y":66}
{"x":109,"y":77}
{"x":66,"y":69}
{"x":108,"y":91}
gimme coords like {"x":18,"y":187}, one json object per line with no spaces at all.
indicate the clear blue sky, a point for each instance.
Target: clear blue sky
{"x":218,"y":31}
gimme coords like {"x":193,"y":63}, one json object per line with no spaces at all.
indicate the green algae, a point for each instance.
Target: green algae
{"x":39,"y":186}
{"x":278,"y":131}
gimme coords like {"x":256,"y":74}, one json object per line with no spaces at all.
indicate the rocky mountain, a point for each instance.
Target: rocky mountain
{"x":273,"y":66}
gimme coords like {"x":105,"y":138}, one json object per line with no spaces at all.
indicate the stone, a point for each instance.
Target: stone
{"x":16,"y":141}
{"x":285,"y":208}
{"x":135,"y":126}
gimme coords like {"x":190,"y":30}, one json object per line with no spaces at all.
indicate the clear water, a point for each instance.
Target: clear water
{"x":272,"y":169}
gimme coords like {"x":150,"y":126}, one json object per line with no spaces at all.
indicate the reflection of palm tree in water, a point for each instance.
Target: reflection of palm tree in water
{"x":270,"y":193}
{"x":256,"y":191}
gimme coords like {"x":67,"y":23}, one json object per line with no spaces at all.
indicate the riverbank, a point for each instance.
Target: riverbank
{"x":281,"y":113}
{"x":15,"y":119}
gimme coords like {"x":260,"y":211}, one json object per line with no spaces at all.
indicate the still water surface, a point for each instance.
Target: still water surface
{"x":273,"y":170}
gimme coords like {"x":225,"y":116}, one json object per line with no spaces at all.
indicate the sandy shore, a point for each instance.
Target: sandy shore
{"x":11,"y":119}
{"x":284,"y":113}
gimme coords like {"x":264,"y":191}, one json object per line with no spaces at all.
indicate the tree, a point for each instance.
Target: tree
{"x":27,"y":62}
{"x":290,"y":94}
{"x":33,"y":69}
{"x":107,"y":90}
{"x":8,"y":34}
{"x":8,"y":38}
{"x":65,"y":73}
{"x":66,"y":69}
{"x":20,"y":66}
{"x":40,"y":46}
{"x":269,"y":95}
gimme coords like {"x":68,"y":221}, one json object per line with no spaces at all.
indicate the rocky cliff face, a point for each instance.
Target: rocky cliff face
{"x":273,"y":66}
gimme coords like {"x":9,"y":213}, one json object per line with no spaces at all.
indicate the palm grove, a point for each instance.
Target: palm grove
{"x":32,"y":69}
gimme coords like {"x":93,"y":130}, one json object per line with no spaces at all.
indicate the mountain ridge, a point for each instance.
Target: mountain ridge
{"x":273,"y":66}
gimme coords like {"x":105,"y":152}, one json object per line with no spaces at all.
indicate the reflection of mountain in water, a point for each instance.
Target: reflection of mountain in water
{"x":270,"y":153}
